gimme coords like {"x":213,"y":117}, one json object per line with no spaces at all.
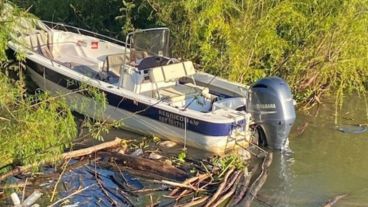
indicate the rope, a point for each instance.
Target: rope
{"x":185,"y":133}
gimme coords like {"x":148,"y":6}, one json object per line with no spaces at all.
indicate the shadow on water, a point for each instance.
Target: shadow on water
{"x":323,"y":162}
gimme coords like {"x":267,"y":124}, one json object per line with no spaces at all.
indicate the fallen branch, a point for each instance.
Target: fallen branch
{"x":242,"y":189}
{"x":181,"y":185}
{"x":67,"y":155}
{"x":89,"y":150}
{"x":16,"y":171}
{"x":333,"y":201}
{"x":150,"y":190}
{"x":220,"y":188}
{"x":229,"y":194}
{"x":234,"y":178}
{"x":183,"y":194}
{"x":147,"y":165}
{"x":195,"y":202}
{"x":258,"y":183}
{"x":200,"y":178}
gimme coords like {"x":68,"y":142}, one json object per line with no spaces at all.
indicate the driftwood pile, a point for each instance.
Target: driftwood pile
{"x":230,"y":186}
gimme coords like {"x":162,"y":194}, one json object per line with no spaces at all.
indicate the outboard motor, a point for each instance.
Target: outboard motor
{"x":271,"y":105}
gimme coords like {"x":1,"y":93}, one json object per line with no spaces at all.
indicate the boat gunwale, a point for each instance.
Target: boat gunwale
{"x":84,"y":32}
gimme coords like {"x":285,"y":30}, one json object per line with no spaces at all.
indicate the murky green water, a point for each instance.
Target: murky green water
{"x":323,"y":163}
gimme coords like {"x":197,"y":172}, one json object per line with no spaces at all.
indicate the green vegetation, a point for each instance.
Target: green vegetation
{"x":37,"y":126}
{"x":229,"y":161}
{"x":95,"y":15}
{"x":32,"y":127}
{"x":317,"y":46}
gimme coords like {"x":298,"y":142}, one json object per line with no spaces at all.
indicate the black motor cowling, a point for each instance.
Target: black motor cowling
{"x":271,"y":105}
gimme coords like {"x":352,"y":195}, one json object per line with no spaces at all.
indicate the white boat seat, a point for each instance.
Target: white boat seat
{"x":171,"y":72}
{"x":113,"y":63}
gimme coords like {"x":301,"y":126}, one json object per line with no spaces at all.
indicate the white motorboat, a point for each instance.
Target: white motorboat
{"x":153,"y":93}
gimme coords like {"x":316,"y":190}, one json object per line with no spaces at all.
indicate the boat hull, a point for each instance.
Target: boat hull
{"x":135,"y":122}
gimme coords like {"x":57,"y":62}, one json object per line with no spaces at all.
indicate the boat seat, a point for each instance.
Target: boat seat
{"x":172,"y":72}
{"x":181,"y":92}
{"x":113,"y":63}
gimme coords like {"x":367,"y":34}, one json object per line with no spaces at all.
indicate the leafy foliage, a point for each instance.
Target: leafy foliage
{"x":35,"y":127}
{"x":316,"y":46}
{"x":32,"y":127}
{"x":229,"y":161}
{"x":94,"y":15}
{"x":10,"y":25}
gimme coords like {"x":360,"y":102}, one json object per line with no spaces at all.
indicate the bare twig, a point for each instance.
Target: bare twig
{"x":333,"y":201}
{"x":24,"y":190}
{"x":150,"y":190}
{"x":180,"y":185}
{"x":184,"y":193}
{"x":58,"y":180}
{"x":4,"y":119}
{"x":200,"y":178}
{"x":196,"y":202}
{"x":72,"y":194}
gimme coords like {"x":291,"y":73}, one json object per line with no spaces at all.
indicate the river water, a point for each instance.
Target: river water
{"x":322,"y":162}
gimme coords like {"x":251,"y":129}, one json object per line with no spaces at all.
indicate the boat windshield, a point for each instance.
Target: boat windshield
{"x":152,"y":42}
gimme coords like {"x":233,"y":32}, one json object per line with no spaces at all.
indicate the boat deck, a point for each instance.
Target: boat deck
{"x":102,"y":60}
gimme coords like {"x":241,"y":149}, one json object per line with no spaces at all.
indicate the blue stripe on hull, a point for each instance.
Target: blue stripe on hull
{"x":195,"y":125}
